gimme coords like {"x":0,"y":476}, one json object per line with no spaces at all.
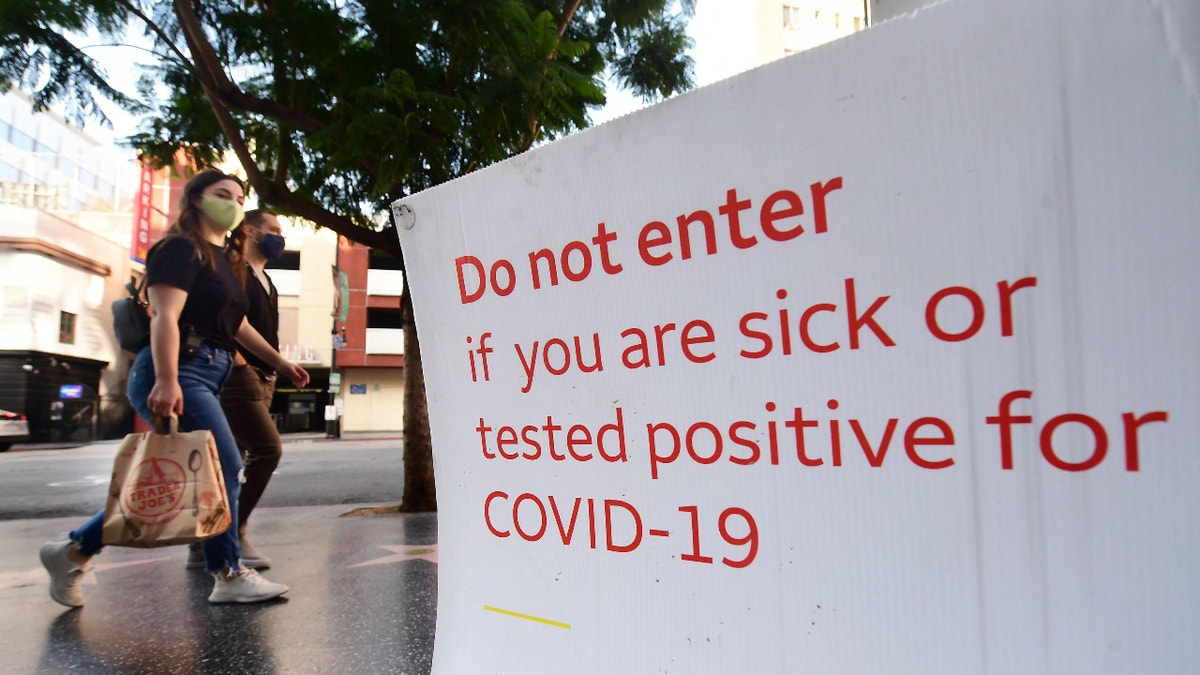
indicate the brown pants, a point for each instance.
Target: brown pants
{"x":246,"y":400}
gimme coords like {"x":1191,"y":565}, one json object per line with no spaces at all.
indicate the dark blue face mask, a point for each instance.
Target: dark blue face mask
{"x":271,"y":246}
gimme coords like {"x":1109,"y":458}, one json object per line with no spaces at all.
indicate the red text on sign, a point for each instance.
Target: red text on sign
{"x":557,"y":357}
{"x":530,"y":441}
{"x":1005,"y":290}
{"x":574,"y":261}
{"x":613,"y":524}
{"x":706,"y":443}
{"x":1095,"y":447}
{"x":530,"y":516}
{"x":778,"y":220}
{"x":761,"y":331}
{"x":643,"y":350}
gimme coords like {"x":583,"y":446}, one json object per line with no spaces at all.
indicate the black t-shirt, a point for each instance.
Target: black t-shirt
{"x":263,"y":315}
{"x":216,"y":303}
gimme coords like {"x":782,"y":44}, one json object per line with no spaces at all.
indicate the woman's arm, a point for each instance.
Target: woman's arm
{"x":166,"y":303}
{"x":250,"y":339}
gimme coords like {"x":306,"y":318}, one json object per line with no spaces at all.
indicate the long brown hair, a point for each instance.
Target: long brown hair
{"x":188,"y":224}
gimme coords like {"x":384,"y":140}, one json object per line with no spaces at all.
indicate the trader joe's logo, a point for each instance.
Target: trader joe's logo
{"x":156,"y":492}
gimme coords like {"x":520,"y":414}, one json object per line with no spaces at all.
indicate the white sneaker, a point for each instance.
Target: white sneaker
{"x":65,"y":575}
{"x":245,"y":585}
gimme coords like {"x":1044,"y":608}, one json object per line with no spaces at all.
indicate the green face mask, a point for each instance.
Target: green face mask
{"x":225,"y":213}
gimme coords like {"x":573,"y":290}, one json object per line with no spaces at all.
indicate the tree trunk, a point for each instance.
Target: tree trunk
{"x":420,"y":493}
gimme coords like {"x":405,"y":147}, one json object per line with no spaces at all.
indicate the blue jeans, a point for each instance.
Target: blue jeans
{"x":201,"y":378}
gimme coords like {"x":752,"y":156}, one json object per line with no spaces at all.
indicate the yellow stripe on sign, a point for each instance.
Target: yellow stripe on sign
{"x":527,"y":617}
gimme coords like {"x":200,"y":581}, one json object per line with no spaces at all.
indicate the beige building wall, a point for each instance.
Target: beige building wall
{"x":306,"y":297}
{"x":373,"y":399}
{"x":785,"y":27}
{"x":315,"y":302}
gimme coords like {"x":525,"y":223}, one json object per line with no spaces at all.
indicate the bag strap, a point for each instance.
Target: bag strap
{"x":172,"y":422}
{"x":135,"y":292}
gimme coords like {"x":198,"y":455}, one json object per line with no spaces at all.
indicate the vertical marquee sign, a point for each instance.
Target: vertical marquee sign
{"x":879,"y":358}
{"x":142,"y":208}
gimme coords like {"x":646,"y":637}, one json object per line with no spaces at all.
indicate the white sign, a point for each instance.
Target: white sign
{"x":880,"y":358}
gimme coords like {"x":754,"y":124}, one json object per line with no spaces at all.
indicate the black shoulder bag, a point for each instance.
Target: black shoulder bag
{"x":131,"y":321}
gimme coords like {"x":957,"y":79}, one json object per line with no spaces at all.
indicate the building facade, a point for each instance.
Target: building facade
{"x":302,"y":276}
{"x":784,"y":28}
{"x":65,"y":208}
{"x":371,"y":335}
{"x":339,"y":318}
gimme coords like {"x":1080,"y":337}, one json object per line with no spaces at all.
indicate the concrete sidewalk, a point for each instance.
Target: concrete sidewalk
{"x":363,"y":599}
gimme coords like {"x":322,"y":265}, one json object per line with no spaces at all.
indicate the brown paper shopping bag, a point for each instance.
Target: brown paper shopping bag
{"x":166,"y":489}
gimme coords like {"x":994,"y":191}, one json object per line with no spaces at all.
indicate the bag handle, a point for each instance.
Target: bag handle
{"x":171,"y":421}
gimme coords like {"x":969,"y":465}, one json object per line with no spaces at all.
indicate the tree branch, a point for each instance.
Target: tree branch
{"x":282,"y":197}
{"x":566,"y":20}
{"x":162,"y":35}
{"x":211,"y":76}
{"x":533,"y":122}
{"x":272,"y":191}
{"x":208,"y":69}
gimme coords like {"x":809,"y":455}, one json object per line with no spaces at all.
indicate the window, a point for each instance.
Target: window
{"x":791,"y":17}
{"x":9,"y":173}
{"x":5,"y":131}
{"x":383,"y":274}
{"x":384,"y":317}
{"x":385,"y":331}
{"x":66,"y":328}
{"x":87,"y":179}
{"x":290,"y":260}
{"x":379,"y":260}
{"x":22,"y":140}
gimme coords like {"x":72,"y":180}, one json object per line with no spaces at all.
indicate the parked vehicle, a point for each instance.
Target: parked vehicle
{"x":14,"y":428}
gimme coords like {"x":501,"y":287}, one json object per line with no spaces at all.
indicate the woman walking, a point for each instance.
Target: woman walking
{"x":247,"y":395}
{"x":198,"y":317}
